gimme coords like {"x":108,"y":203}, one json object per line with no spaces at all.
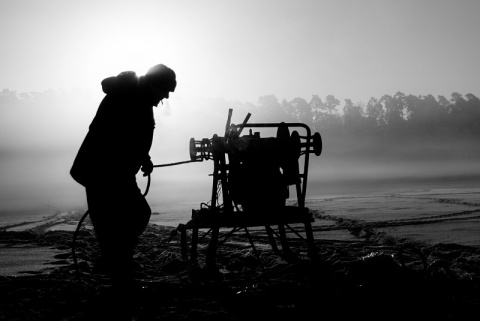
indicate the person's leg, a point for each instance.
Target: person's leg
{"x":119,"y":214}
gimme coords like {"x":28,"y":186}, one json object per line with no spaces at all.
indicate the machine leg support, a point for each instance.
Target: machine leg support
{"x":183,"y":244}
{"x":287,"y":252}
{"x":271,"y":239}
{"x":211,"y":255}
{"x":312,"y":252}
{"x":193,"y":255}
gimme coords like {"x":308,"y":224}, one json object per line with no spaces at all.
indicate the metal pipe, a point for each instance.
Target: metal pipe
{"x":227,"y":126}
{"x":244,"y":123}
{"x":177,"y":163}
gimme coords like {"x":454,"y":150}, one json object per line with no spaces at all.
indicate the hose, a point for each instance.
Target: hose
{"x":84,"y":216}
{"x":177,"y":163}
{"x":75,"y":235}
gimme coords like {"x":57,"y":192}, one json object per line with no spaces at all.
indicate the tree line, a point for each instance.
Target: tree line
{"x":389,"y":116}
{"x":397,"y":115}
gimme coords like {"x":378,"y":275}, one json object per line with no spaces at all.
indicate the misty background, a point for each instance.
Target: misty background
{"x":392,"y":87}
{"x":391,"y":142}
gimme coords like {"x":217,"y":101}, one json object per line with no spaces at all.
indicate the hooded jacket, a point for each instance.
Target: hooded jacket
{"x":120,"y":136}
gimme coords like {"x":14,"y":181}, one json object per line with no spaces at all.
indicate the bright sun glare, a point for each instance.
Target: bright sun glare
{"x":112,"y":48}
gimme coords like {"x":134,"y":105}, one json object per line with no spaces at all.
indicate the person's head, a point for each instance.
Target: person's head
{"x":160,"y":80}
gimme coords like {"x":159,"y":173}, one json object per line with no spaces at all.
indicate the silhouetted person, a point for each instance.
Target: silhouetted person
{"x":115,"y":148}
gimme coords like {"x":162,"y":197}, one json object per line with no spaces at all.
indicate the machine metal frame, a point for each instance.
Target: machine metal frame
{"x":223,"y":212}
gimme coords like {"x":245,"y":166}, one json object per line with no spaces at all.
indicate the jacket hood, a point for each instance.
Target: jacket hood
{"x":126,"y":81}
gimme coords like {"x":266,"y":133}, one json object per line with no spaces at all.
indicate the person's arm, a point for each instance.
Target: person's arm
{"x":147,"y":165}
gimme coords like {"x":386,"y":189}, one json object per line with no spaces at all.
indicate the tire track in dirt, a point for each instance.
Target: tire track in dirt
{"x":348,"y":223}
{"x":452,"y":201}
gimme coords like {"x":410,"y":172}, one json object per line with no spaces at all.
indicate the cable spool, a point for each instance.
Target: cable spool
{"x":290,"y":165}
{"x":316,"y":144}
{"x":200,"y":149}
{"x":296,"y":144}
{"x":192,"y":149}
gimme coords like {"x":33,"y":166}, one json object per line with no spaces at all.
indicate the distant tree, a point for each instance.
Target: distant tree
{"x":318,"y":110}
{"x":473,"y":105}
{"x":424,"y":114}
{"x":457,"y":113}
{"x":331,"y":104}
{"x":444,"y":106}
{"x":288,"y":111}
{"x":354,"y":121}
{"x":444,"y":103}
{"x":394,"y":110}
{"x":412,"y":107}
{"x":474,"y":113}
{"x":472,"y":99}
{"x":269,"y":109}
{"x":317,"y":107}
{"x":458,"y":102}
{"x":470,"y":114}
{"x":375,"y":114}
{"x":302,"y":110}
{"x":325,"y":114}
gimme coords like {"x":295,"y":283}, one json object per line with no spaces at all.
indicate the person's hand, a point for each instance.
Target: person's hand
{"x":147,"y":167}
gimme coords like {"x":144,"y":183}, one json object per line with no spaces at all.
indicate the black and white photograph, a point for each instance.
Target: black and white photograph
{"x":239,"y":160}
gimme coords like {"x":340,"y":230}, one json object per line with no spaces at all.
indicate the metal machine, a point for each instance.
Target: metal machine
{"x":252,"y":176}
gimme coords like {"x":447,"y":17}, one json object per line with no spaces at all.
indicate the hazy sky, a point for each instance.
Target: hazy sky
{"x":243,"y":49}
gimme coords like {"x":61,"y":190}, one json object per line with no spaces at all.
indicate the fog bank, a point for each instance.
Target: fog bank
{"x":39,"y":139}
